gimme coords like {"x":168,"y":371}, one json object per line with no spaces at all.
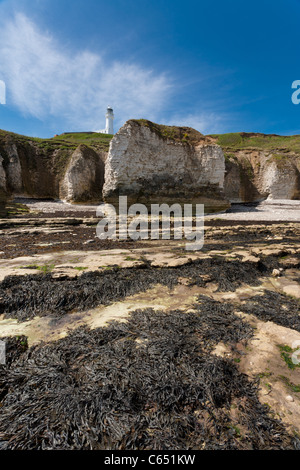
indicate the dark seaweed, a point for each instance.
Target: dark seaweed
{"x":150,"y":383}
{"x":24,"y":297}
{"x":275,"y":307}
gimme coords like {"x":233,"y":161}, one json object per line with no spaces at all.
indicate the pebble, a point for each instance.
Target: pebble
{"x":276,"y":272}
{"x":289,"y":398}
{"x":88,"y":242}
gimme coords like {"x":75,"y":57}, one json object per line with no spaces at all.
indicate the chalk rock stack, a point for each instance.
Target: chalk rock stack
{"x":84,"y":177}
{"x":151,"y":163}
{"x":254,"y":175}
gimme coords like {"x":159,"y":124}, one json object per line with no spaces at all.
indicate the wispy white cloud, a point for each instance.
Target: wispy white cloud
{"x":46,"y":80}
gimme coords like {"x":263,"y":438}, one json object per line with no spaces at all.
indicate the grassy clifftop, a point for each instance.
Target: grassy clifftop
{"x":229,"y":142}
{"x":94,"y":140}
{"x":68,"y":141}
{"x":184,"y":135}
{"x":271,"y":142}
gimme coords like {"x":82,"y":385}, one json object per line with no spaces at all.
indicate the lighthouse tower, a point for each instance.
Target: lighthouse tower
{"x":109,"y":128}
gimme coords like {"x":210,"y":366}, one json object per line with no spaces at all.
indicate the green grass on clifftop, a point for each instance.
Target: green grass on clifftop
{"x":184,"y":135}
{"x":270,"y":142}
{"x":91,"y":140}
{"x":68,"y":141}
{"x":229,"y":142}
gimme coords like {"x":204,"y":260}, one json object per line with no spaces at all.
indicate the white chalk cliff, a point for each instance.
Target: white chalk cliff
{"x":155,"y":164}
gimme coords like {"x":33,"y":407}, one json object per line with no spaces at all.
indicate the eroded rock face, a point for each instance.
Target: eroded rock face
{"x":2,"y":174}
{"x":3,"y":193}
{"x":253,"y":175}
{"x":3,"y":200}
{"x":151,"y":163}
{"x":281,"y":180}
{"x":51,"y":171}
{"x":150,"y":167}
{"x":84,"y":177}
{"x":26,"y":169}
{"x":13,"y":168}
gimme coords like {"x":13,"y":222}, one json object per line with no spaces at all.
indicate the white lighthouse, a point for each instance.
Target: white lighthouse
{"x":109,"y":128}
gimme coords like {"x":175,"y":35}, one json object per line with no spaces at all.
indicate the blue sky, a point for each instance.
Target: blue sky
{"x":215,"y":66}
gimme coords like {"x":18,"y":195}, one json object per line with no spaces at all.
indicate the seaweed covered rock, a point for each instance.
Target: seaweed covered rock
{"x":24,"y":297}
{"x":152,"y":163}
{"x":138,"y":386}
